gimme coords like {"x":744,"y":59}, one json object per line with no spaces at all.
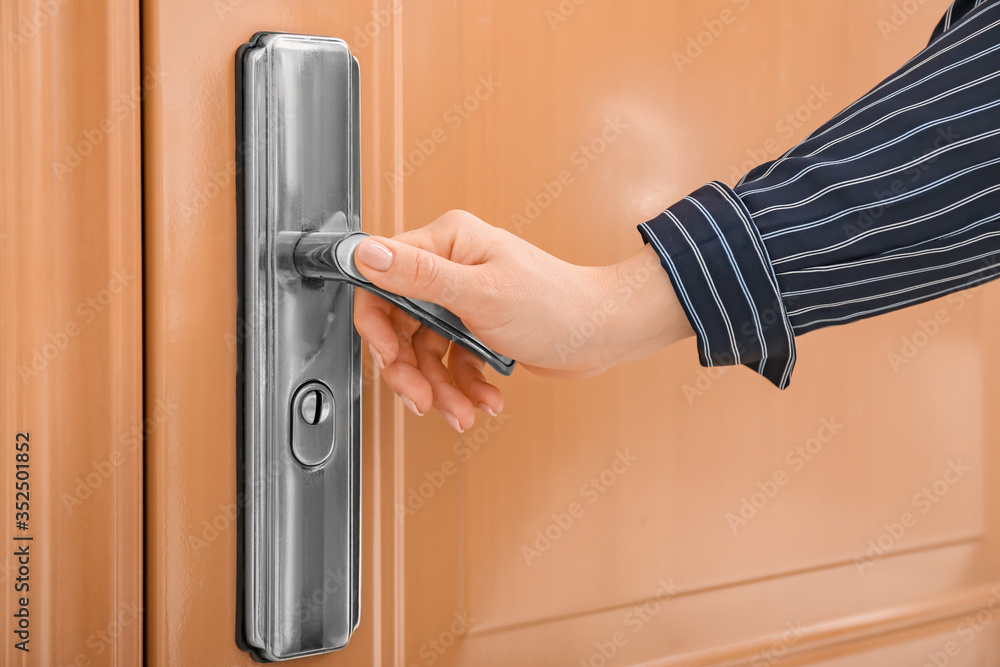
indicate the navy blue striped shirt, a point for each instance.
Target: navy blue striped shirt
{"x":893,"y":202}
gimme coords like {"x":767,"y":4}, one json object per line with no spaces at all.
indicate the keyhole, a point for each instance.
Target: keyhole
{"x":315,"y":407}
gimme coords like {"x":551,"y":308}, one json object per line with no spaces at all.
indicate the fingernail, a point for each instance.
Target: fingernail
{"x":452,"y":421}
{"x":376,"y":356}
{"x":487,"y":409}
{"x":374,"y":254}
{"x":411,"y":405}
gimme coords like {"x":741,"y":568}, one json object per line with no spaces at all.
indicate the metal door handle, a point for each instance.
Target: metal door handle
{"x":299,"y":358}
{"x":330,"y":256}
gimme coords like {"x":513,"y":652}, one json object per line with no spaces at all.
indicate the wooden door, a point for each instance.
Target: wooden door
{"x":660,"y":514}
{"x":71,"y":414}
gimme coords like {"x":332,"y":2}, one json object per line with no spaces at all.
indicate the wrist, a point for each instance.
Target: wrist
{"x":648,"y":317}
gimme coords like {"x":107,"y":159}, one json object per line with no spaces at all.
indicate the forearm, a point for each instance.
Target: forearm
{"x":644,"y":313}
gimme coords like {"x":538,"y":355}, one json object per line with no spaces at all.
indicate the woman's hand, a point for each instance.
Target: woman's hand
{"x":554,"y":318}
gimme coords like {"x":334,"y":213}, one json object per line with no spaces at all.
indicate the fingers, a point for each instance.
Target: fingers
{"x":411,"y":359}
{"x":457,"y":236}
{"x":466,"y":371}
{"x":389,"y":333}
{"x":410,"y":271}
{"x":433,"y":263}
{"x":374,"y":324}
{"x":405,"y":378}
{"x":457,"y":409}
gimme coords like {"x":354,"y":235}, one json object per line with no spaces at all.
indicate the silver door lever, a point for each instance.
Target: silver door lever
{"x":330,"y":256}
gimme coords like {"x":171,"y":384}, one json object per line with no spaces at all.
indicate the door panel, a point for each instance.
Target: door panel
{"x":661,"y":512}
{"x":702,"y":443}
{"x":71,"y":332}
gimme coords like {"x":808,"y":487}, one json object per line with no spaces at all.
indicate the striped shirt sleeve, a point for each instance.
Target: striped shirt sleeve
{"x":893,"y":202}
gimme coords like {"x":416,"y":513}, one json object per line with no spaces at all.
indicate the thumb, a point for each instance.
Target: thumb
{"x":409,"y":271}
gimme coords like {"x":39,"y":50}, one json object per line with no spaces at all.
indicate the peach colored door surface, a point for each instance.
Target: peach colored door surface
{"x":71,"y":399}
{"x":660,"y":514}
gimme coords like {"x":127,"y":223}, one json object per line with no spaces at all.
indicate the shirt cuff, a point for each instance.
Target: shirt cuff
{"x":721,"y":271}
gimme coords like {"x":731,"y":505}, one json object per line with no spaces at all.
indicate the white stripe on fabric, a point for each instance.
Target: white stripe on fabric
{"x":736,"y":270}
{"x":874,"y":297}
{"x":902,"y":74}
{"x":871,"y":151}
{"x":711,"y":283}
{"x":752,"y":232}
{"x":892,"y":227}
{"x":702,"y":335}
{"x":899,"y":304}
{"x":901,"y":197}
{"x":871,"y":177}
{"x":907,"y":255}
{"x":890,"y":276}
